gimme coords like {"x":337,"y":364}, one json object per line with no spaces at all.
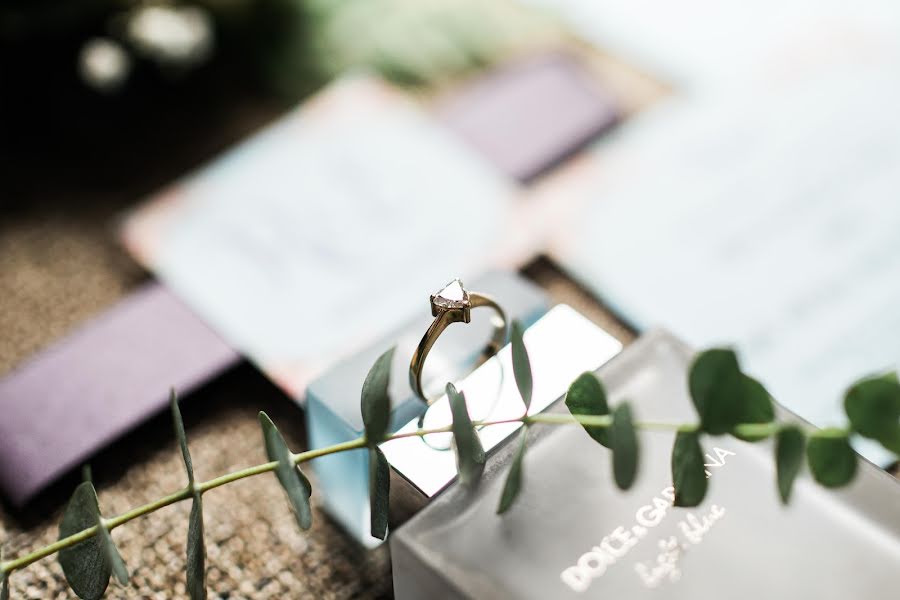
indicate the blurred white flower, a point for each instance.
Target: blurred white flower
{"x":103,"y":64}
{"x":175,"y":36}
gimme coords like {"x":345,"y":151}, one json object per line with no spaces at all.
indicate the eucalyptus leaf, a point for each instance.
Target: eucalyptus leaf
{"x":379,"y":492}
{"x":873,"y":407}
{"x":375,"y":401}
{"x":892,"y":443}
{"x":294,"y":482}
{"x":717,"y":387}
{"x":86,"y":565}
{"x":586,"y":396}
{"x":831,"y":458}
{"x":790,"y":446}
{"x":688,"y":472}
{"x":182,"y":438}
{"x":755,"y":407}
{"x":117,"y":565}
{"x":196,"y":552}
{"x":521,"y":363}
{"x":625,"y":447}
{"x":470,"y":456}
{"x":513,"y":484}
{"x":196,"y":549}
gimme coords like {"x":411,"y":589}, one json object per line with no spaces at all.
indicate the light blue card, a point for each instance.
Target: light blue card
{"x":326,"y":230}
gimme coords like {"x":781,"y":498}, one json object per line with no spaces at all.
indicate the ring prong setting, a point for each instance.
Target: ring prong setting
{"x":452,"y":299}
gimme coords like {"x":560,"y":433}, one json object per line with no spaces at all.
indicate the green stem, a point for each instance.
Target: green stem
{"x":753,"y":430}
{"x":418,"y":433}
{"x":187,"y":492}
{"x":599,"y":421}
{"x":831,"y":432}
{"x":9,"y":566}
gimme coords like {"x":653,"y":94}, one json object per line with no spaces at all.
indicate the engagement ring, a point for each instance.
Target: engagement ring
{"x":453,"y":304}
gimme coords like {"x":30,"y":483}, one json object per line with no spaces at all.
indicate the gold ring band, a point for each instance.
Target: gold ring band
{"x":453,"y":304}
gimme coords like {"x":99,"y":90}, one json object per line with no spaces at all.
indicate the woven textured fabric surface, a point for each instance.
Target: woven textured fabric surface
{"x":254,"y":547}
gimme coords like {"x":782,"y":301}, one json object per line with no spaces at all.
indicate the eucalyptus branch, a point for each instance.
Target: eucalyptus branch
{"x":727,"y":401}
{"x":9,"y":566}
{"x":185,"y":493}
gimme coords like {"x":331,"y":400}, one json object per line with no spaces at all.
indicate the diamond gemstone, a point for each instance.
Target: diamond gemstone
{"x":452,"y":296}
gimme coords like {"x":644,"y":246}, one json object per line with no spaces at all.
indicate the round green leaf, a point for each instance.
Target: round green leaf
{"x":831,"y":458}
{"x":625,"y":447}
{"x":586,"y":396}
{"x":755,"y":407}
{"x":521,"y":363}
{"x":196,"y":552}
{"x":717,"y":387}
{"x":513,"y":484}
{"x":892,"y":443}
{"x":375,"y":401}
{"x":469,"y":451}
{"x":790,"y":446}
{"x":873,"y":407}
{"x":379,"y":492}
{"x":688,"y":472}
{"x":86,"y":564}
{"x":292,"y":480}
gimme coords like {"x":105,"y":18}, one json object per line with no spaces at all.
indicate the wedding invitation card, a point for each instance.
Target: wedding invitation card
{"x":770,"y":222}
{"x":328,"y":229}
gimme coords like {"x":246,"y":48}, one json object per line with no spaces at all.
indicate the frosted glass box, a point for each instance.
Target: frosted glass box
{"x":333,"y":400}
{"x":573,"y":534}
